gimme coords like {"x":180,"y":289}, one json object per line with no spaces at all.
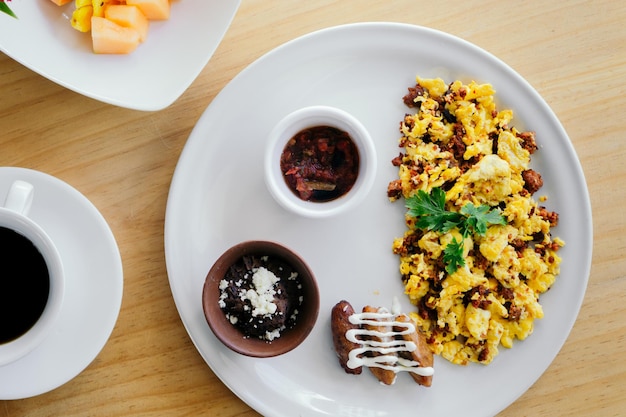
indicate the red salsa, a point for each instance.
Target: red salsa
{"x":320,"y":163}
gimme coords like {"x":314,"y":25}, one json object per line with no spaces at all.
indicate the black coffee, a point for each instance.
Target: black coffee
{"x":24,"y":285}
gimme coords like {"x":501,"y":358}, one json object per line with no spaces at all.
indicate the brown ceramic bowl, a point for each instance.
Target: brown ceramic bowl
{"x":232,"y":336}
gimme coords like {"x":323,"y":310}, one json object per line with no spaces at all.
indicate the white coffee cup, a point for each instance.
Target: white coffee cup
{"x":14,"y":216}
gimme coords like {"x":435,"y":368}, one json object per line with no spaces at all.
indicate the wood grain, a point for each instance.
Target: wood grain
{"x":573,"y":52}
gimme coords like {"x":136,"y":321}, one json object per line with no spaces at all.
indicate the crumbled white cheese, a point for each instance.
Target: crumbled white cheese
{"x":272,"y":335}
{"x":261,"y":296}
{"x":223,"y":285}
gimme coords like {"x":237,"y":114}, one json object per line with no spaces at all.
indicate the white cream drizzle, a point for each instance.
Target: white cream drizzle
{"x":387,"y":347}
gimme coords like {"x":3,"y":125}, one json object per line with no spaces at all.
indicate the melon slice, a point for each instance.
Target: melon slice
{"x":153,"y":9}
{"x":100,"y":5}
{"x":129,"y":16}
{"x":110,"y":38}
{"x":60,"y":2}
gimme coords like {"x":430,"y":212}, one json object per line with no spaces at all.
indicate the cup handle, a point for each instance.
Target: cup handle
{"x":20,"y":197}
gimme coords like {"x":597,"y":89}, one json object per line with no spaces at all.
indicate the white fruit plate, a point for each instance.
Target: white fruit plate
{"x":151,"y":78}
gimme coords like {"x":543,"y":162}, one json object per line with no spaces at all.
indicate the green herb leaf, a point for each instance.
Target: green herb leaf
{"x":477,"y":219}
{"x":423,"y":203}
{"x":453,"y":256}
{"x":431,"y":214}
{"x":6,"y":9}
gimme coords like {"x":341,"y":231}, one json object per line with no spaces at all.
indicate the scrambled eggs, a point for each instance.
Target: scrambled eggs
{"x":458,"y":141}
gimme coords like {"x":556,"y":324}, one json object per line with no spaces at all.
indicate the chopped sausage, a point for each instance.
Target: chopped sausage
{"x":550,"y":216}
{"x":397,"y":161}
{"x":414,"y":92}
{"x":528,"y":141}
{"x":394,"y":190}
{"x":532,"y":180}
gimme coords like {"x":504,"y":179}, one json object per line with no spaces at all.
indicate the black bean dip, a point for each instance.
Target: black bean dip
{"x":261,"y":295}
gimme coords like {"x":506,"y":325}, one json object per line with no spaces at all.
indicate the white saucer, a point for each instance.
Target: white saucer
{"x":94,"y":282}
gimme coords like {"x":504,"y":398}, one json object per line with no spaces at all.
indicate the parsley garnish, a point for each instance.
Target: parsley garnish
{"x":430,"y":211}
{"x":431,"y":214}
{"x":477,"y":219}
{"x":453,"y":256}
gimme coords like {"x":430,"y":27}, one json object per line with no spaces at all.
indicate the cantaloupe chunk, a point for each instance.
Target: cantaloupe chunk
{"x":129,"y":16}
{"x":100,"y":5}
{"x":153,"y":9}
{"x":60,"y":2}
{"x":110,"y":38}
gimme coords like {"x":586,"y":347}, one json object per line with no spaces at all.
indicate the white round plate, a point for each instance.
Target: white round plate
{"x":93,"y":290}
{"x":150,"y":78}
{"x":218,"y":198}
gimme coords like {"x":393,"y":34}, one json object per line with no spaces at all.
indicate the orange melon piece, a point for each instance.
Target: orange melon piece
{"x":110,"y":38}
{"x":60,"y":2}
{"x":130,"y":17}
{"x":153,"y":9}
{"x":99,"y":6}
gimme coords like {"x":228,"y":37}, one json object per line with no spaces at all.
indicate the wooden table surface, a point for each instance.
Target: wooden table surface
{"x":573,"y":52}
